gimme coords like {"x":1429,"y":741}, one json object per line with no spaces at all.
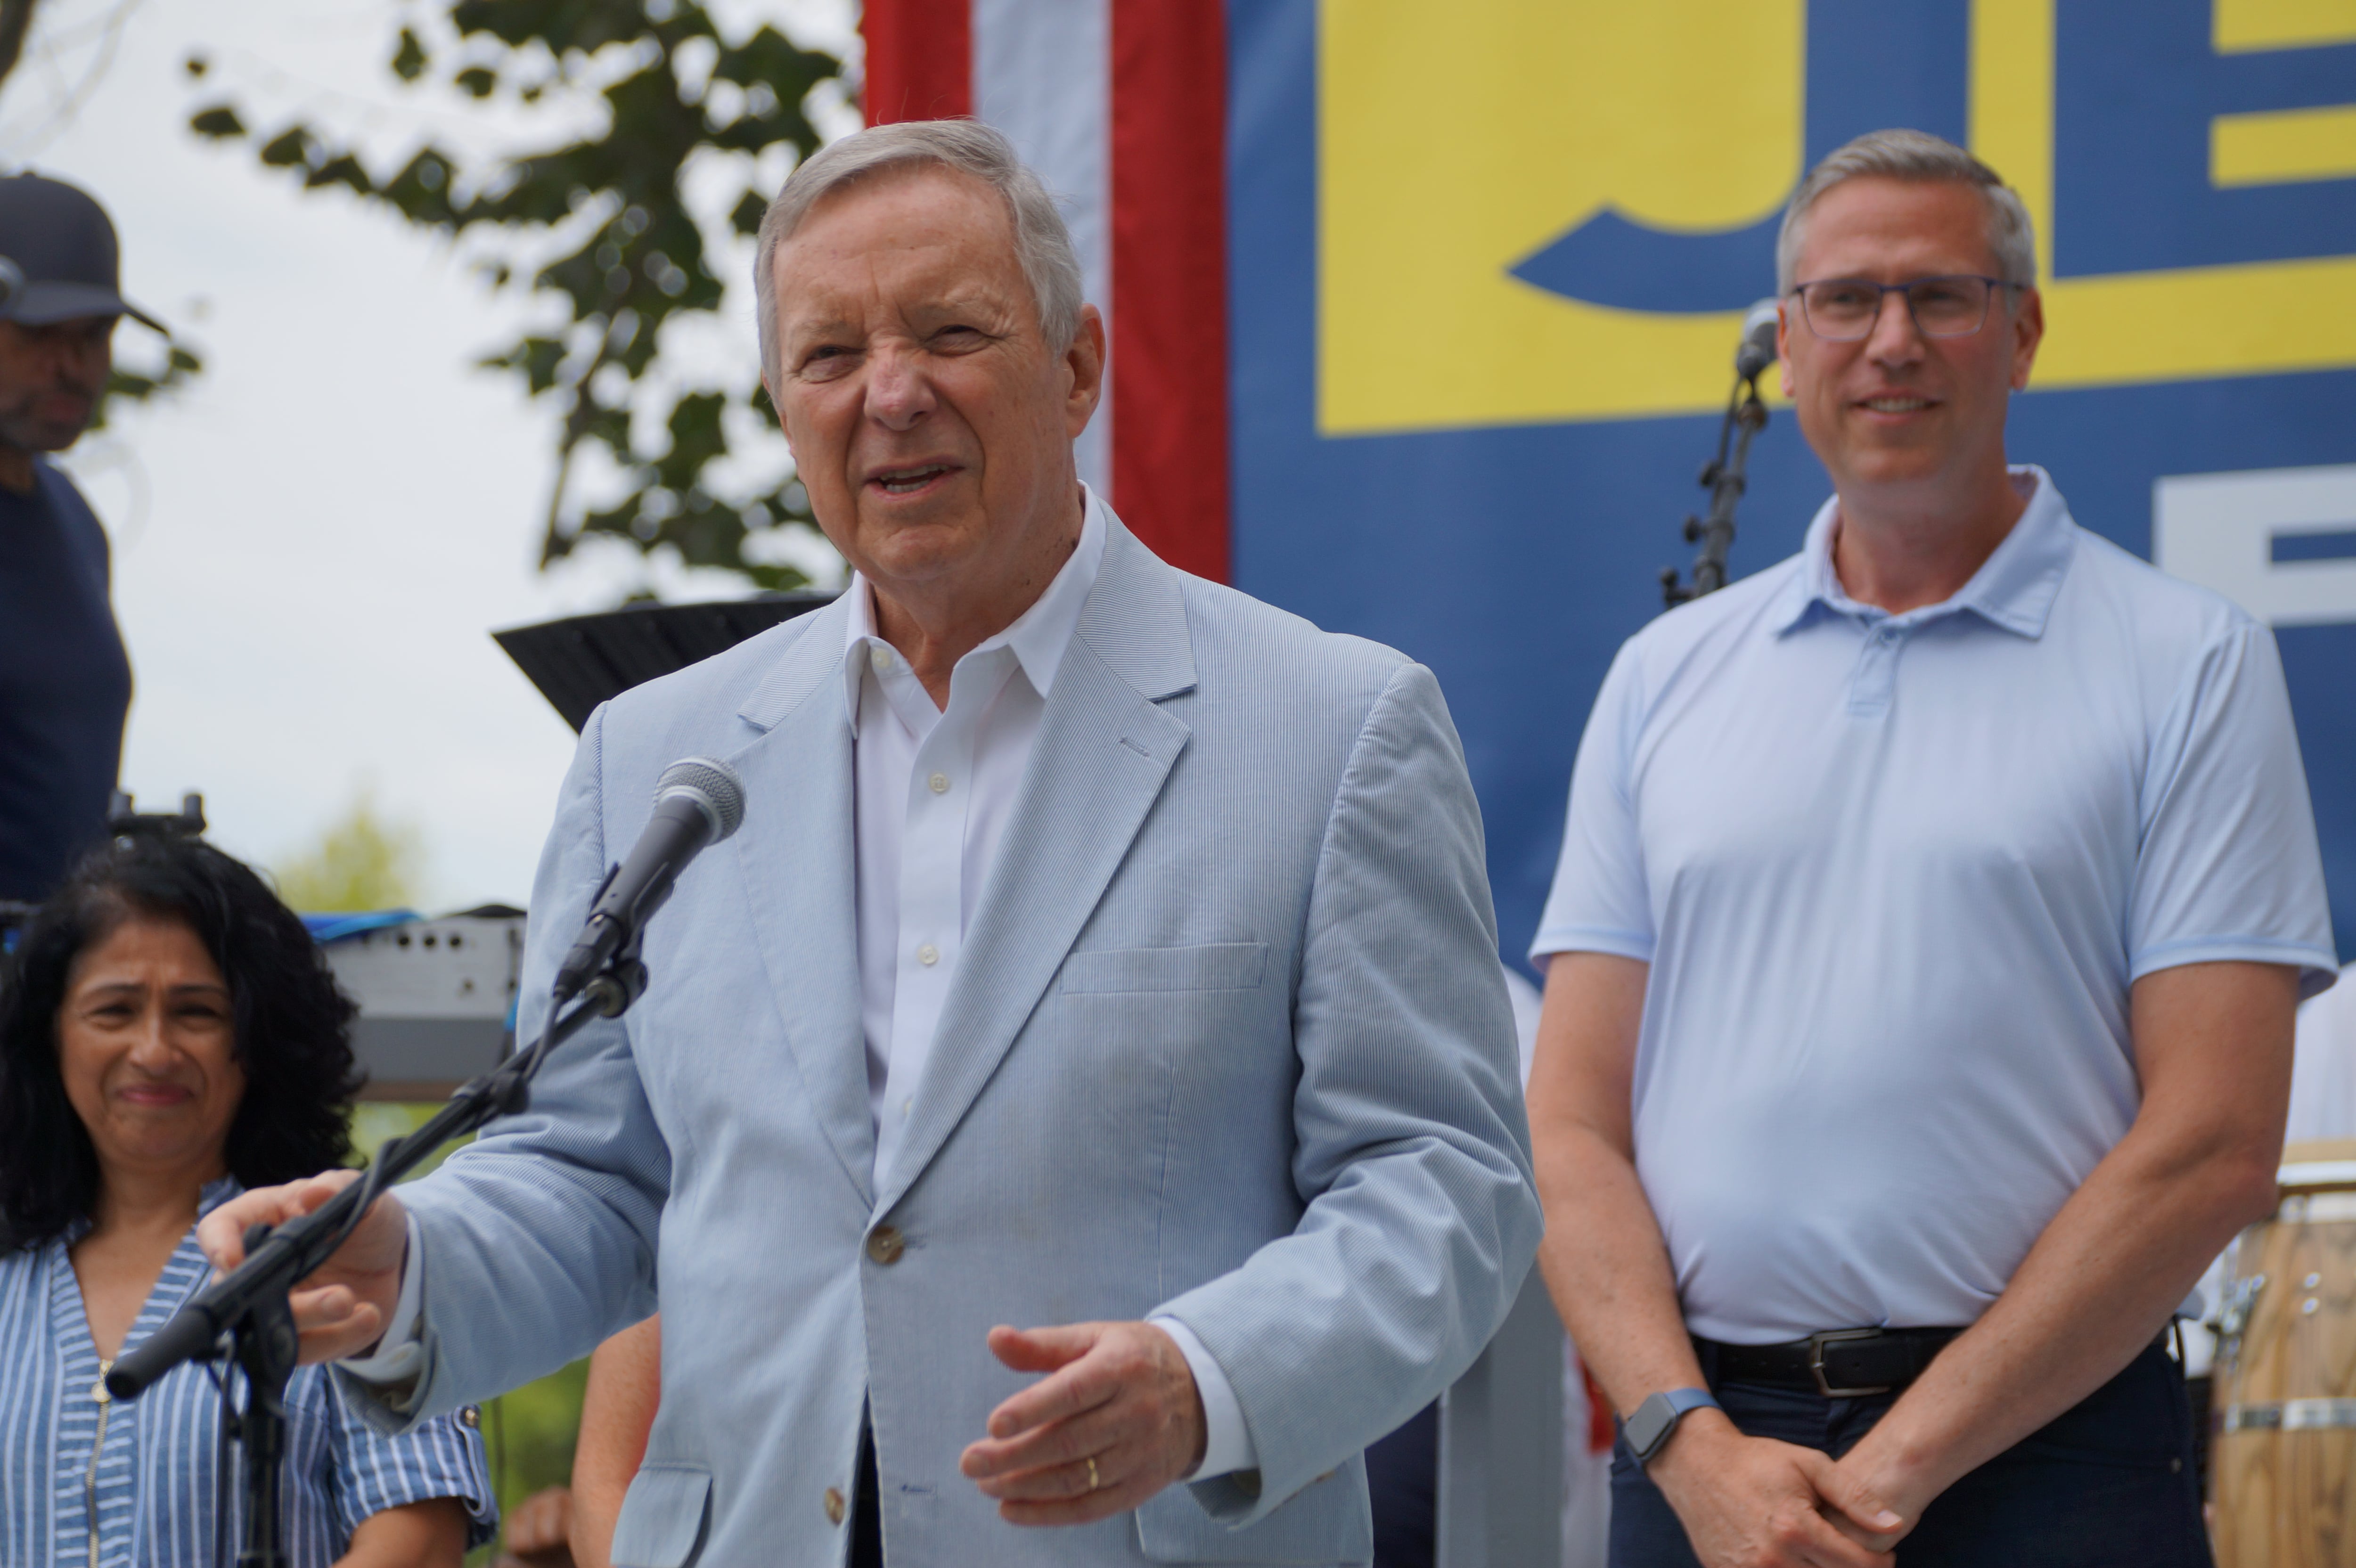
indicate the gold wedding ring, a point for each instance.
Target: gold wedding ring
{"x":1092,"y":1472}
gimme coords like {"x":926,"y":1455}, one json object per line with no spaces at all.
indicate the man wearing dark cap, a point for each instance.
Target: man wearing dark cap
{"x":65,"y":682}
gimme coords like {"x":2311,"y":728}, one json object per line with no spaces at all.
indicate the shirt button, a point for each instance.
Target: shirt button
{"x":885,"y":1245}
{"x":928,"y":954}
{"x":940,"y":782}
{"x":834,"y":1509}
{"x":881,"y":658}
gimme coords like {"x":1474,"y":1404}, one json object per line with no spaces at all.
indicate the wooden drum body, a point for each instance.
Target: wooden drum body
{"x":2283,"y":1462}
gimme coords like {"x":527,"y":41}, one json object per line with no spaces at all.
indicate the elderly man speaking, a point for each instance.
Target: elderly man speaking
{"x":1088,"y":1070}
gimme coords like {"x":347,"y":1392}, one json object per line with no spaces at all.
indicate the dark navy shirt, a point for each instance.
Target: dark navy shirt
{"x":64,"y":684}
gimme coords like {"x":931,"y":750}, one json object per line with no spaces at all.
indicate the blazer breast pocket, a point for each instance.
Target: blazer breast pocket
{"x":1215,"y":967}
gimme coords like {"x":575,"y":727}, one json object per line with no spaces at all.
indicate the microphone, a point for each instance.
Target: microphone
{"x":698,"y":802}
{"x":1757,"y":349}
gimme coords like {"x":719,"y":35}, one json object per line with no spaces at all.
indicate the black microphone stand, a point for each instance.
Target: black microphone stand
{"x":248,"y":1304}
{"x":1724,"y":477}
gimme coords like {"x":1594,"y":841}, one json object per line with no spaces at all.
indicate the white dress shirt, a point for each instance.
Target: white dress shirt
{"x":933,"y":789}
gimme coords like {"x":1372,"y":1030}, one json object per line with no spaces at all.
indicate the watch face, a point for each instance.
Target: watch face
{"x":1650,"y":1426}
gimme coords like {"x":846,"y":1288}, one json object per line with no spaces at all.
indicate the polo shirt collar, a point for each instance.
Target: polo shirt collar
{"x":1039,"y":637}
{"x":2013,"y":588}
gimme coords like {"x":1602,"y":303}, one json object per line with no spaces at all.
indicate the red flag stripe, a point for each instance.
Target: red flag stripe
{"x":919,"y":59}
{"x":1170,"y":272}
{"x":1167,"y":136}
{"x":1600,"y":1427}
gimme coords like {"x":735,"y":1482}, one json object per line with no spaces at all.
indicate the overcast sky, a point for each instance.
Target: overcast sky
{"x":312,"y":545}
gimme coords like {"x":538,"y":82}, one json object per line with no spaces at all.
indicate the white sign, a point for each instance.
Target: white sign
{"x":2226,"y":531}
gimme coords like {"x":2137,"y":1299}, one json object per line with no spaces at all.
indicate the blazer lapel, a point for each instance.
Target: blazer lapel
{"x":795,"y":852}
{"x":1103,"y":753}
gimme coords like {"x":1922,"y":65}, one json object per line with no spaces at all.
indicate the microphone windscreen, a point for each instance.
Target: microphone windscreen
{"x":713,"y":785}
{"x":1757,"y":350}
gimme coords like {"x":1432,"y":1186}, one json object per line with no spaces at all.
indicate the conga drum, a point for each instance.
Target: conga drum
{"x":2283,"y":1461}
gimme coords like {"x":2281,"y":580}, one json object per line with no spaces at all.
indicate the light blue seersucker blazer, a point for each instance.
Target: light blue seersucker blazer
{"x":1229,"y":1040}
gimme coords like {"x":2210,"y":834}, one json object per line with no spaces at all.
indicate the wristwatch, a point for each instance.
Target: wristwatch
{"x":1648,"y":1430}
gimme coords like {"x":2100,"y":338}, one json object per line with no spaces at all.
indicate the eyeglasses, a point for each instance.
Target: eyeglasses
{"x":1842,"y":310}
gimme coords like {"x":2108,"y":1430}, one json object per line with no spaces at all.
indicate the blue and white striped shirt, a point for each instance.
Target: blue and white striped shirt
{"x":149,"y":1472}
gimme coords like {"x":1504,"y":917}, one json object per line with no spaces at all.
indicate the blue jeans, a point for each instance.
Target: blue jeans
{"x":2108,"y":1484}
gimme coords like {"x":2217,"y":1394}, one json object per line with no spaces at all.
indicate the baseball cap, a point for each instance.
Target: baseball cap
{"x":61,"y":241}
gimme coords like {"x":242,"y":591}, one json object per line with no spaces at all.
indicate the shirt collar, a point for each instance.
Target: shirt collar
{"x":216,"y":1192}
{"x":1039,"y":637}
{"x":2013,"y":588}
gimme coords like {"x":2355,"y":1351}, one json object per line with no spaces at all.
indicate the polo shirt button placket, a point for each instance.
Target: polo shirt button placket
{"x":1876,"y":675}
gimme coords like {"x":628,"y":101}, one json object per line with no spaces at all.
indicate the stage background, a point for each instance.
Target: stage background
{"x":1483,"y":267}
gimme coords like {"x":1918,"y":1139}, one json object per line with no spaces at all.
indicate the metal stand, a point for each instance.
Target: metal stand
{"x":123,"y":816}
{"x":1724,"y":477}
{"x":249,"y":1304}
{"x":266,"y":1347}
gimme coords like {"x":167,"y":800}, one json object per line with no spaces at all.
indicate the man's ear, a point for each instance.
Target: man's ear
{"x":1083,"y":360}
{"x":1784,"y":345}
{"x":2027,"y":333}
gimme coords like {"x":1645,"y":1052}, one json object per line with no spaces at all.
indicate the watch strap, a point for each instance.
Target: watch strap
{"x":1648,"y":1430}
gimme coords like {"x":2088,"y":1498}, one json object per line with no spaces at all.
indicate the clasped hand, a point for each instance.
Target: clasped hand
{"x":1752,"y":1503}
{"x":1115,"y":1419}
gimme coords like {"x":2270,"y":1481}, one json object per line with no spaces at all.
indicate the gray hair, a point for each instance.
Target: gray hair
{"x":1913,"y":156}
{"x":1042,"y":244}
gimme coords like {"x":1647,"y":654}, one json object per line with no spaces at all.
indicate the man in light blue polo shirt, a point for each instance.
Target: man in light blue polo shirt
{"x":1924,"y":953}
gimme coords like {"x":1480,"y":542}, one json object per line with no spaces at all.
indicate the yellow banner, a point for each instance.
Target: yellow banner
{"x":1454,"y":141}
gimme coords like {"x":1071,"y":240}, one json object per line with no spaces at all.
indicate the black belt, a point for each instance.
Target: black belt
{"x":1842,"y":1363}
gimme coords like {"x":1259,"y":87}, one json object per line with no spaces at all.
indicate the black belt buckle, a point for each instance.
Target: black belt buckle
{"x":1816,"y":1343}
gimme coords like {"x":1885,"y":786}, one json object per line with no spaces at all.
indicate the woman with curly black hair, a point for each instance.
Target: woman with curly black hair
{"x":169,"y":1035}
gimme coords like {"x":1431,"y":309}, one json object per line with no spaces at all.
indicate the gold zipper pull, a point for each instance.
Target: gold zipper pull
{"x":98,"y":1390}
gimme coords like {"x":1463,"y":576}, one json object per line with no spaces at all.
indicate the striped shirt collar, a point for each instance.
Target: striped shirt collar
{"x":2013,"y":588}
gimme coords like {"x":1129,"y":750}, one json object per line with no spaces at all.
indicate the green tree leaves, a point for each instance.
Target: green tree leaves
{"x":360,"y":861}
{"x":600,"y":225}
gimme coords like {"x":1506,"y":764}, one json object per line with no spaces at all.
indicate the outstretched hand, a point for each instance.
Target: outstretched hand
{"x":1117,"y":1419}
{"x":341,"y":1310}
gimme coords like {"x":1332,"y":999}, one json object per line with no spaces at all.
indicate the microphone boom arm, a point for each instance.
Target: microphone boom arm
{"x":698,"y":802}
{"x":249,"y":1303}
{"x":1725,"y":477}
